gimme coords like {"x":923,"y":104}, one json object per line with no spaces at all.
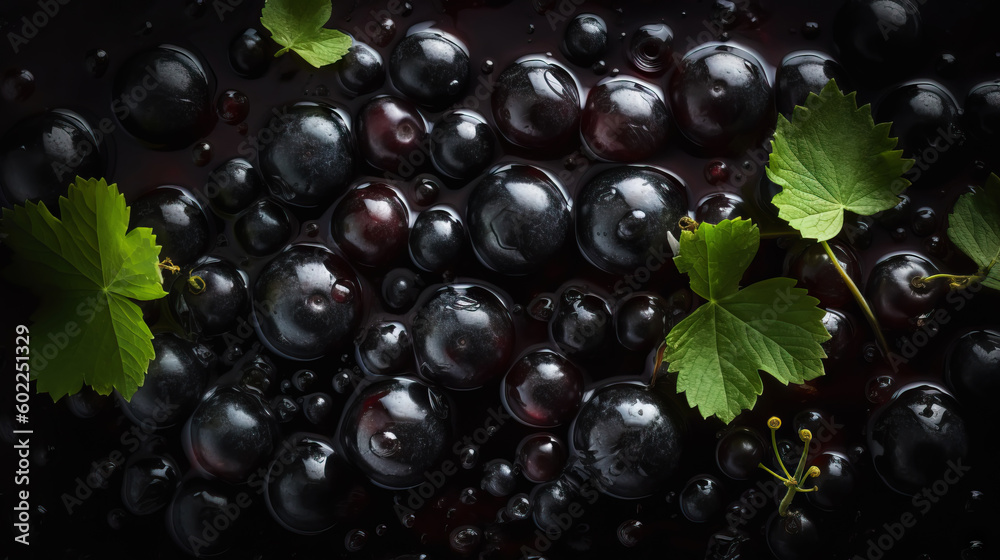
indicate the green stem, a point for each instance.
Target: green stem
{"x":786,"y":501}
{"x":779,"y":233}
{"x":956,"y":281}
{"x":865,"y":309}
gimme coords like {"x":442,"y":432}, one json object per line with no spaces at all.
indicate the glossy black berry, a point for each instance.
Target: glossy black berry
{"x":897,"y":297}
{"x":395,"y":430}
{"x":624,"y":120}
{"x":462,"y":145}
{"x":307,"y":301}
{"x":624,"y":215}
{"x":536,"y":105}
{"x":720,"y":98}
{"x":181,"y":228}
{"x":231,"y":434}
{"x":36,"y":168}
{"x":263,"y":229}
{"x":518,"y":219}
{"x":174,"y":382}
{"x":361,"y":70}
{"x":310,"y":156}
{"x":627,"y":437}
{"x":163,"y":96}
{"x":585,"y":39}
{"x":209,"y":298}
{"x":233,"y":186}
{"x":581,"y":323}
{"x":309,"y":487}
{"x":971,"y":369}
{"x":925,"y":118}
{"x":982,"y":113}
{"x":248,"y":54}
{"x":463,"y":337}
{"x":386,"y":349}
{"x":543,"y":389}
{"x":918,"y":438}
{"x":802,"y":73}
{"x":437,"y":239}
{"x":882,"y":37}
{"x":392,"y":135}
{"x":642,"y":321}
{"x":370,"y":224}
{"x":430,"y":69}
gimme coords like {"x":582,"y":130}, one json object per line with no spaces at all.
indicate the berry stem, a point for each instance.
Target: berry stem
{"x":196,"y":284}
{"x":167,"y":264}
{"x":865,"y":309}
{"x":792,"y":483}
{"x":955,"y":281}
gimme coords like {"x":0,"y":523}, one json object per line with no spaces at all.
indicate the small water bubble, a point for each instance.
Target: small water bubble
{"x":342,"y":382}
{"x":870,"y":353}
{"x":381,"y":529}
{"x":468,"y":496}
{"x":285,"y":408}
{"x":630,"y":533}
{"x":426,"y":192}
{"x":384,"y":444}
{"x":488,"y":66}
{"x":317,"y":407}
{"x":408,"y":520}
{"x":355,"y":540}
{"x":96,"y":61}
{"x":810,"y":30}
{"x":201,"y":154}
{"x":468,"y":457}
{"x":541,"y":308}
{"x":343,"y":291}
{"x":304,"y":380}
{"x":17,"y":85}
{"x":519,"y":506}
{"x":465,"y":539}
{"x":498,"y":478}
{"x":880,"y":389}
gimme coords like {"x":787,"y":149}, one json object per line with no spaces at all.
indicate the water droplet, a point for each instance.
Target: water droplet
{"x":541,"y":308}
{"x":468,"y":457}
{"x":355,"y":540}
{"x":468,"y":496}
{"x":384,"y":444}
{"x":465,"y":539}
{"x":342,"y":382}
{"x":630,"y":532}
{"x":343,"y":291}
{"x":201,"y":154}
{"x":519,"y":506}
{"x":381,"y":529}
{"x":488,"y":66}
{"x":498,"y":478}
{"x":18,"y":85}
{"x":408,"y":520}
{"x":96,"y":61}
